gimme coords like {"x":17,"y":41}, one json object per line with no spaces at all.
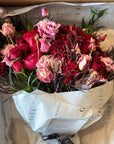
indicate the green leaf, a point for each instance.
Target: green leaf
{"x":36,"y":78}
{"x":93,"y":12}
{"x":28,"y":89}
{"x":29,"y":26}
{"x":83,"y":23}
{"x":101,"y":13}
{"x":17,"y":34}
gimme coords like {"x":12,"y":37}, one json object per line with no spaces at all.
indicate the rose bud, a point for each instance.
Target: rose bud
{"x":45,"y":75}
{"x":84,"y":62}
{"x":29,"y":37}
{"x":44,"y":12}
{"x":8,"y":47}
{"x":102,"y":38}
{"x":48,"y":29}
{"x":108,"y":62}
{"x":17,"y":67}
{"x":45,"y":45}
{"x":15,"y":53}
{"x":8,"y":30}
{"x":31,"y":60}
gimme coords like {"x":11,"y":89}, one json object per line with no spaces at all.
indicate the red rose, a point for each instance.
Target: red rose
{"x":23,"y":45}
{"x":15,"y":53}
{"x":17,"y":66}
{"x":31,"y":60}
{"x":29,"y":37}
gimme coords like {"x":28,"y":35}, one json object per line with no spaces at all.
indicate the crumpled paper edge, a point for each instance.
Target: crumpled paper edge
{"x":12,"y":11}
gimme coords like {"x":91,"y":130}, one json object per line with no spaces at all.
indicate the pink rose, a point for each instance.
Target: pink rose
{"x":31,"y":60}
{"x":108,"y":62}
{"x":102,"y":38}
{"x":8,"y":47}
{"x":17,"y":66}
{"x":15,"y":53}
{"x":45,"y":75}
{"x":29,"y":37}
{"x":44,"y":12}
{"x":45,"y":45}
{"x":47,"y":29}
{"x":8,"y":30}
{"x":84,"y":62}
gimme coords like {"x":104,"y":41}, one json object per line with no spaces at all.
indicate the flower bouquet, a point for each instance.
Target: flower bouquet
{"x":58,"y":74}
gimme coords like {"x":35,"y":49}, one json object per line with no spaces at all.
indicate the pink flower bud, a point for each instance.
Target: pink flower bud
{"x":77,"y":49}
{"x":102,"y":38}
{"x":17,"y":66}
{"x":84,"y":62}
{"x":44,"y":12}
{"x":92,"y":45}
{"x":8,"y":30}
{"x":108,"y":62}
{"x":45,"y":45}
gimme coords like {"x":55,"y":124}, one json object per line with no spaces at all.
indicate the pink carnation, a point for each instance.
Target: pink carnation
{"x":45,"y":75}
{"x":8,"y":30}
{"x":46,"y":66}
{"x":48,"y":29}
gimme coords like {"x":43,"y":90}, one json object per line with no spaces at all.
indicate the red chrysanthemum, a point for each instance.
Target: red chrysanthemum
{"x":3,"y":68}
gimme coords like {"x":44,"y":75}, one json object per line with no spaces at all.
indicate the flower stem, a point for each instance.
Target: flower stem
{"x":11,"y":40}
{"x":7,"y":40}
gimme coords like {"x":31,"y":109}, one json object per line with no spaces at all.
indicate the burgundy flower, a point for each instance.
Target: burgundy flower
{"x":3,"y":68}
{"x":99,"y":66}
{"x":70,"y":69}
{"x":17,"y":66}
{"x":29,"y":37}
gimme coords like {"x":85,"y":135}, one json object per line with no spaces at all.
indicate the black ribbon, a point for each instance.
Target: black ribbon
{"x":62,"y":139}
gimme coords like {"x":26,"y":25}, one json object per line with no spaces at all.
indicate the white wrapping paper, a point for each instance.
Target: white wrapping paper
{"x":66,"y":112}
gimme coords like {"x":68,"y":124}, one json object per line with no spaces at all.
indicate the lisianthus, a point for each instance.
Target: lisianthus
{"x":55,"y":57}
